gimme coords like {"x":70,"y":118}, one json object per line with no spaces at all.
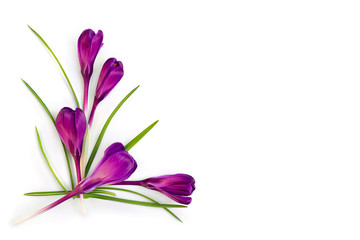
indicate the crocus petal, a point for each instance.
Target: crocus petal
{"x":113,"y":148}
{"x":117,"y":165}
{"x":84,"y":44}
{"x":178,"y":187}
{"x":111,"y":73}
{"x":177,"y":198}
{"x":96,"y":44}
{"x":71,"y":126}
{"x":89,"y":45}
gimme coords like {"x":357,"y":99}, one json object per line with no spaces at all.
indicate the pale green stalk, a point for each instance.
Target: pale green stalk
{"x":84,"y":152}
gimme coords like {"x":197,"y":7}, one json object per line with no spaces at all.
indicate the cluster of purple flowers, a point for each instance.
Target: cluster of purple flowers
{"x":117,"y":165}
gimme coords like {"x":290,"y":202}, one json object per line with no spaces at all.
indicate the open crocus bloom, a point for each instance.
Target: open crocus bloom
{"x":178,"y":187}
{"x":116,"y":166}
{"x":89,"y":45}
{"x":71,"y":126}
{"x":111,"y":73}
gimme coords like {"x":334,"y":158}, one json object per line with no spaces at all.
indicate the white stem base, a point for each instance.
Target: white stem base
{"x":82,"y":204}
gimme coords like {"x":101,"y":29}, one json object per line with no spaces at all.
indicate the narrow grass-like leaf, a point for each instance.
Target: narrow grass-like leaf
{"x":40,"y":101}
{"x":53,"y":193}
{"x":104,"y":192}
{"x":98,"y":141}
{"x":140,"y":136}
{"x":95,"y":195}
{"x":53,"y":120}
{"x":57,"y":60}
{"x":48,"y":193}
{"x":147,"y":204}
{"x":142,"y":195}
{"x":47,"y":160}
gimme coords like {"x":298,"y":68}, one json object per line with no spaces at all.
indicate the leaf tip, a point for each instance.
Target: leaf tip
{"x":24,"y":82}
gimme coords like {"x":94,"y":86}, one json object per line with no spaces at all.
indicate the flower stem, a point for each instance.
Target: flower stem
{"x":84,"y":152}
{"x":82,"y":204}
{"x":50,"y":206}
{"x":86,"y":93}
{"x":91,"y":118}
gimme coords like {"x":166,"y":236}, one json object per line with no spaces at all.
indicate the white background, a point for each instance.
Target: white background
{"x":258,"y":100}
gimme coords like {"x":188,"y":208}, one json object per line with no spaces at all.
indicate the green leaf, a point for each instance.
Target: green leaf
{"x":47,"y":161}
{"x":93,"y":195}
{"x":48,"y":193}
{"x":40,"y":101}
{"x":53,"y":120}
{"x":53,"y":193}
{"x":97,"y":144}
{"x":142,"y":195}
{"x":103,"y":192}
{"x":140,"y":136}
{"x":147,"y":204}
{"x":62,"y":69}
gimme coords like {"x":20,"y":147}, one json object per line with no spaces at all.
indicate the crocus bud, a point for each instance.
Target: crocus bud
{"x":71,"y":126}
{"x":111,"y":73}
{"x":89,"y":45}
{"x":178,"y":187}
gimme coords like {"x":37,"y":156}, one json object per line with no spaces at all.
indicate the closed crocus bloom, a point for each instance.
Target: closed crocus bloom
{"x":111,"y":73}
{"x":71,"y":126}
{"x":178,"y":187}
{"x":89,"y":45}
{"x":116,"y":166}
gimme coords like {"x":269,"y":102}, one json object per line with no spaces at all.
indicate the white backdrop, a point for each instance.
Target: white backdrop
{"x":258,"y":100}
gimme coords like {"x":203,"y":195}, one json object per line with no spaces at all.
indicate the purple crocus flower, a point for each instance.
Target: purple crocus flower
{"x":71,"y":126}
{"x":111,"y":73}
{"x":178,"y":187}
{"x":89,"y":45}
{"x":116,"y":166}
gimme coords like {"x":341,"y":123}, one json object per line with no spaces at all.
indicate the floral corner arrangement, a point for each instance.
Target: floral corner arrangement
{"x":116,"y":165}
